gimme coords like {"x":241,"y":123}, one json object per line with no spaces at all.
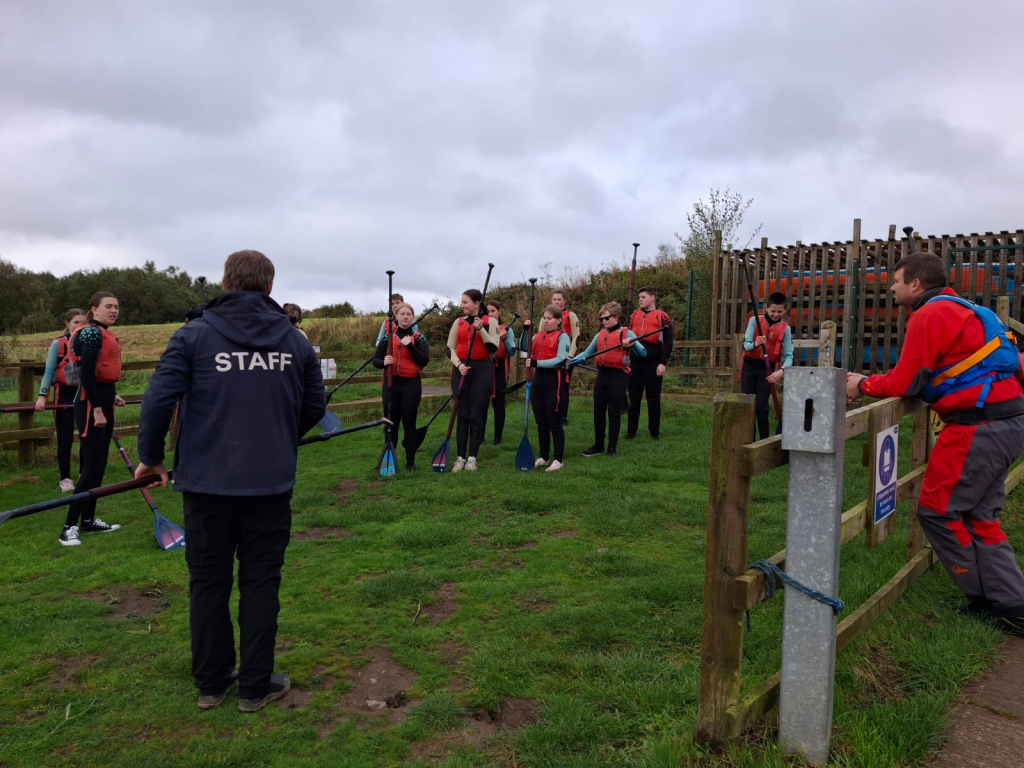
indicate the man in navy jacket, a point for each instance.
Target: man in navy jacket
{"x":249,"y":387}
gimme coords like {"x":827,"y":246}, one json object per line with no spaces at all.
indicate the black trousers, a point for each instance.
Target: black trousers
{"x":473,"y":405}
{"x":405,"y":398}
{"x":564,"y":396}
{"x":498,"y":401}
{"x":546,"y":398}
{"x":610,"y":397}
{"x":64,"y":424}
{"x":754,"y":381}
{"x":644,"y":380}
{"x":256,"y":529}
{"x":93,"y":450}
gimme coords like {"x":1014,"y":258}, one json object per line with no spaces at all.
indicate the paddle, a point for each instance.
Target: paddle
{"x":597,"y":352}
{"x":440,"y":460}
{"x":629,"y":314}
{"x":524,"y":455}
{"x":147,"y":480}
{"x":386,"y":463}
{"x":764,"y":349}
{"x":168,"y":535}
{"x":421,"y":434}
{"x":329,"y":414}
{"x":50,"y":407}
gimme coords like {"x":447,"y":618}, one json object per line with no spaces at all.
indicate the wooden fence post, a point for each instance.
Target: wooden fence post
{"x":918,"y":456}
{"x":849,"y":310}
{"x":716,"y":298}
{"x":26,"y":385}
{"x":827,"y":344}
{"x":737,"y":361}
{"x":725,"y":560}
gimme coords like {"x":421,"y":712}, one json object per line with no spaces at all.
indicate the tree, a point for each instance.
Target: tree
{"x":723,"y":211}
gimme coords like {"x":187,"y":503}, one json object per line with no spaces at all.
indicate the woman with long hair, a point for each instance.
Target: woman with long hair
{"x":95,"y":354}
{"x":506,"y":349}
{"x":470,"y":344}
{"x":547,"y":357}
{"x":63,"y":394}
{"x":408,"y":355}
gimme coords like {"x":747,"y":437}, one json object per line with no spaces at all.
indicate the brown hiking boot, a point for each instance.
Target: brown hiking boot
{"x":279,"y":687}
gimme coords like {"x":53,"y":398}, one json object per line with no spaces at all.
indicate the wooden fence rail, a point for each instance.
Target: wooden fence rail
{"x":731,"y":588}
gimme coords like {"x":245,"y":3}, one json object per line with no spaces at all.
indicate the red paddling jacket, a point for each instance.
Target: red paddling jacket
{"x":409,"y":360}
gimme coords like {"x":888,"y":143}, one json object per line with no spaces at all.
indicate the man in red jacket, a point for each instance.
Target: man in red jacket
{"x":962,"y":491}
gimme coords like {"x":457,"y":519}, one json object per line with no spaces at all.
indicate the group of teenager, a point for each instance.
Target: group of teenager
{"x":479,"y":350}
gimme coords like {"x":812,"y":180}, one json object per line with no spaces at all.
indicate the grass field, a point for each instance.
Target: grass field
{"x":532,"y":620}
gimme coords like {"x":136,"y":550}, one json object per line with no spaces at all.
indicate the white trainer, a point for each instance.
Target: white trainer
{"x":540,"y":463}
{"x":69,"y":537}
{"x":459,"y":465}
{"x":67,"y":485}
{"x":555,"y":466}
{"x":471,"y":464}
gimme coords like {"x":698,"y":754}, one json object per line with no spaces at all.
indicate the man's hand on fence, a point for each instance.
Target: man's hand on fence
{"x":853,"y":381}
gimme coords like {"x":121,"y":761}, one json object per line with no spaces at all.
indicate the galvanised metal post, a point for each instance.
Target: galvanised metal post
{"x":814,"y":433}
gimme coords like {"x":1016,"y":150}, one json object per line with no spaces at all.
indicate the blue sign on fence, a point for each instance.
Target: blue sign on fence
{"x":885,"y":473}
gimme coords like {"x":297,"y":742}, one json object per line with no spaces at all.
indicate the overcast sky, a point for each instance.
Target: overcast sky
{"x":343,"y":139}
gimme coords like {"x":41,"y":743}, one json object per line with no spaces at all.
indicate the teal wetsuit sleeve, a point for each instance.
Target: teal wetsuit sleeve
{"x":510,"y":344}
{"x":51,"y":368}
{"x":384,"y":332}
{"x":748,"y":337}
{"x":591,"y":348}
{"x":638,"y":347}
{"x":787,"y":348}
{"x":561,"y":357}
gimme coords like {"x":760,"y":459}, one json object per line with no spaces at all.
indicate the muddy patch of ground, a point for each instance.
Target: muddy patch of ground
{"x":131,"y":602}
{"x":33,"y":479}
{"x":300,"y":695}
{"x":442,"y":603}
{"x":564,"y":534}
{"x":529,"y":545}
{"x":379,"y":693}
{"x":477,"y":727}
{"x":323,"y":532}
{"x":345,"y":488}
{"x":63,"y":674}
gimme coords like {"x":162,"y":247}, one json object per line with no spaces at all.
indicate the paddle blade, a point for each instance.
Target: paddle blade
{"x":168,"y":535}
{"x":440,"y":460}
{"x":330,"y":422}
{"x":524,"y":456}
{"x":387,"y":461}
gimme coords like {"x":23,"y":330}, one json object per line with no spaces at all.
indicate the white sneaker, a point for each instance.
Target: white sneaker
{"x":460,"y":464}
{"x":555,"y":466}
{"x":69,"y":537}
{"x":471,"y":464}
{"x":67,"y":485}
{"x":540,"y":463}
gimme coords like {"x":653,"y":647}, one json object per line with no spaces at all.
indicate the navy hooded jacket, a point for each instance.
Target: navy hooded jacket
{"x":250,"y":386}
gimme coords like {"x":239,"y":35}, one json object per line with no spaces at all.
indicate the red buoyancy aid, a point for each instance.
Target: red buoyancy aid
{"x":617,"y":357}
{"x":462,"y":344}
{"x":108,"y":364}
{"x":545,"y":345}
{"x":641,"y":322}
{"x":63,"y":350}
{"x":566,"y":325}
{"x":405,"y":366}
{"x":773,"y":336}
{"x":502,"y":353}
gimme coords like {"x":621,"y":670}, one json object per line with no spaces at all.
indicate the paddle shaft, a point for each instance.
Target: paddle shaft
{"x":632,"y":284}
{"x":597,"y":352}
{"x":324,"y":436}
{"x":131,"y":470}
{"x":469,"y":356}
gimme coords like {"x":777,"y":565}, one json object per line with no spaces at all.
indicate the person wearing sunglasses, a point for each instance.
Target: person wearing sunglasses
{"x":612,"y":375}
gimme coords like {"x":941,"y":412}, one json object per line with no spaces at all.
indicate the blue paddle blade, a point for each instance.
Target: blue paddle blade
{"x":387,"y":462}
{"x":524,"y":456}
{"x":330,"y":422}
{"x":440,"y":460}
{"x":168,"y":535}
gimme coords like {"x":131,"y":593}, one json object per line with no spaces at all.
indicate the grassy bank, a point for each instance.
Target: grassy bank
{"x":531,"y":620}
